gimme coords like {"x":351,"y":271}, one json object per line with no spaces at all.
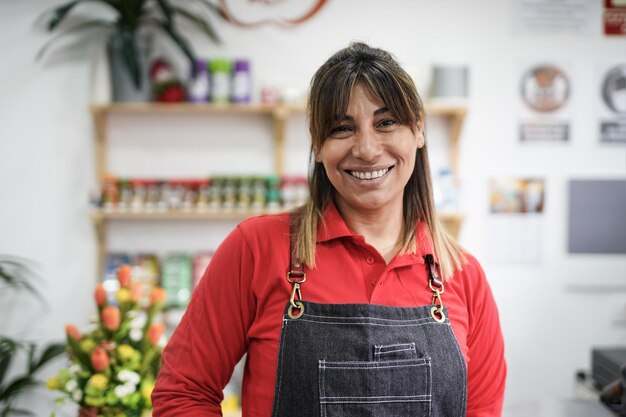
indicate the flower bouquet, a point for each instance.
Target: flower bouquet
{"x":113,"y":367}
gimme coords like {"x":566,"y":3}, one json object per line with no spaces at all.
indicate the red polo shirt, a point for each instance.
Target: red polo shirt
{"x":238,"y":306}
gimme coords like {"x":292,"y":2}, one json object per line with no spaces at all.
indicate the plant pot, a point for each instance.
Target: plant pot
{"x":122,"y":84}
{"x":87,"y":412}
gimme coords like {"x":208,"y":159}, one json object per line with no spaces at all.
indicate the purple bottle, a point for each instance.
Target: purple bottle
{"x":198,"y":90}
{"x":241,"y":82}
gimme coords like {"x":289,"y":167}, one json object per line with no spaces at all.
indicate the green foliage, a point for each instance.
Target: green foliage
{"x":133,"y":15}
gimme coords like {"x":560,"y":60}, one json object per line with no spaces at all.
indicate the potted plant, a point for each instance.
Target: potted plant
{"x":16,"y":275}
{"x":127,"y":31}
{"x":112,"y":367}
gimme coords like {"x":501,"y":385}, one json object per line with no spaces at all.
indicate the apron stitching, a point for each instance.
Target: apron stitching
{"x":369,"y":318}
{"x":378,"y":324}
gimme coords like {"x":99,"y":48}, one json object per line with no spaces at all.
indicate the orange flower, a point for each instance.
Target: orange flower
{"x":157,"y":296}
{"x":72,"y":331}
{"x":100,"y":295}
{"x":111,"y":318}
{"x":99,"y":359}
{"x":136,"y":290}
{"x":155,"y":332}
{"x":123,"y":275}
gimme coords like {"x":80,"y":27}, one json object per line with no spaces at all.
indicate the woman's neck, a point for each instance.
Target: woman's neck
{"x":381,"y":228}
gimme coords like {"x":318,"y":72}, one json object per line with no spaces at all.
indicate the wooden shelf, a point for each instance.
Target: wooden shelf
{"x":102,"y":215}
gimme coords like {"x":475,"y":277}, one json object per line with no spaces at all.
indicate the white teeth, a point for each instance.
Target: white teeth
{"x":369,"y":175}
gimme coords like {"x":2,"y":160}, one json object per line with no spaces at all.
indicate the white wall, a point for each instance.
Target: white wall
{"x":550,"y":318}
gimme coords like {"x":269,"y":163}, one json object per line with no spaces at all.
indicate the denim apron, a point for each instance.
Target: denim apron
{"x":365,"y":360}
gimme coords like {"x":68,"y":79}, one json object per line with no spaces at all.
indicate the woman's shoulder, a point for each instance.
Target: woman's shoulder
{"x":265,"y":227}
{"x":471,"y":276}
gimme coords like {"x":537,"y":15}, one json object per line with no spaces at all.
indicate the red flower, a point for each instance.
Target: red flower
{"x":157,"y":295}
{"x":123,"y":275}
{"x":72,"y":331}
{"x":155,"y":332}
{"x":100,"y":295}
{"x":111,"y":318}
{"x":99,"y":359}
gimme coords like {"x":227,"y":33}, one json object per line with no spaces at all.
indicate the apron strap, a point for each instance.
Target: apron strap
{"x":435,"y":283}
{"x":295,"y":275}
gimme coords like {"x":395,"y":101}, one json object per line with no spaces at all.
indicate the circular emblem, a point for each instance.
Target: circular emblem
{"x":545,"y":88}
{"x":614,"y":89}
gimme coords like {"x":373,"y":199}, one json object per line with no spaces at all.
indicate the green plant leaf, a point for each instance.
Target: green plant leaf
{"x":182,"y":43}
{"x":59,"y":14}
{"x":17,"y":274}
{"x":8,"y":348}
{"x":16,"y":386}
{"x":19,"y":412}
{"x":199,"y":23}
{"x":50,"y":352}
{"x":124,"y":40}
{"x":168,"y":11}
{"x":84,"y":26}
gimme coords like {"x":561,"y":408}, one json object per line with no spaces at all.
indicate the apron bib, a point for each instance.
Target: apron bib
{"x":365,"y":360}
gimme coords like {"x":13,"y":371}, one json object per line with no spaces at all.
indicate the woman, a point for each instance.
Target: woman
{"x":340,"y":306}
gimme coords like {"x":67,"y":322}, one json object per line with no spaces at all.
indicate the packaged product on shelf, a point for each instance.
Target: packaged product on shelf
{"x":244,"y":193}
{"x":164,"y":196}
{"x":139,"y":193}
{"x":177,"y":191}
{"x":126,"y":195}
{"x":220,"y":80}
{"x":204,"y":195}
{"x":109,"y":279}
{"x":273,"y":193}
{"x":198,"y":88}
{"x":229,"y":193}
{"x":259,"y":193}
{"x":241,"y":87}
{"x":176,"y":277}
{"x":110,"y":193}
{"x":153,"y":192}
{"x":200,"y":262}
{"x":190,"y":194}
{"x":216,"y":193}
{"x":446,"y":191}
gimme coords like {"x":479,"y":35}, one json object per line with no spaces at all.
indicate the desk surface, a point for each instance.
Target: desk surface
{"x":557,"y":408}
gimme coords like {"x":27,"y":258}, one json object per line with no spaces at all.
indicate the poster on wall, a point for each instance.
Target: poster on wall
{"x":612,"y":94}
{"x":545,"y":91}
{"x":515,"y":224}
{"x":597,"y":216}
{"x":614,"y":17}
{"x":563,"y":16}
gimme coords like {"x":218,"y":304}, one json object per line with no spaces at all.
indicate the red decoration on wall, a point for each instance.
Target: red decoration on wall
{"x":614,"y":17}
{"x":272,"y":13}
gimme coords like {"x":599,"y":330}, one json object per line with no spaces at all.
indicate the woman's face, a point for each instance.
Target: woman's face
{"x":369,"y":155}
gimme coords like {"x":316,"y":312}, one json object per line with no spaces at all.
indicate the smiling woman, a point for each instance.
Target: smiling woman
{"x":339,"y":305}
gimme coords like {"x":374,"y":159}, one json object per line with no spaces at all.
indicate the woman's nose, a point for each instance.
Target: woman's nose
{"x":367,"y":145}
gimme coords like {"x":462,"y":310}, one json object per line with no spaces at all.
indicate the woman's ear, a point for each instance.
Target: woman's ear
{"x":419,"y":134}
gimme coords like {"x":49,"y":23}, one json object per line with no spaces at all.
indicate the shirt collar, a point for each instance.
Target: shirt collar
{"x":333,"y":226}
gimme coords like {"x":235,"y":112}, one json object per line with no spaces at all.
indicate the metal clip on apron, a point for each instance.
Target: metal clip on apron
{"x":355,"y":360}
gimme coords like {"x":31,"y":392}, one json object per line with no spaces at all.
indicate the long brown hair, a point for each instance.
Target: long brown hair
{"x":331,"y":88}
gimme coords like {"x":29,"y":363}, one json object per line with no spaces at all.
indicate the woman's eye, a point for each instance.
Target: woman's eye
{"x":341,"y":130}
{"x":386,"y":123}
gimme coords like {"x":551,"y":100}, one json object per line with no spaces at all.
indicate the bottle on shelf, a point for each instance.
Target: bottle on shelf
{"x":241,"y":82}
{"x":220,"y":80}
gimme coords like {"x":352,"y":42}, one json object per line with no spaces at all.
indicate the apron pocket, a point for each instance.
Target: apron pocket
{"x":397,"y":388}
{"x":397,"y":351}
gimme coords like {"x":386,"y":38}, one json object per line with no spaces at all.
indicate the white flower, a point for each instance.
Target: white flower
{"x":162,"y":341}
{"x":122,"y":391}
{"x":130,"y":377}
{"x":74,"y":369}
{"x":139,"y":322}
{"x":77,"y":395}
{"x":71,"y":385}
{"x":136,"y":334}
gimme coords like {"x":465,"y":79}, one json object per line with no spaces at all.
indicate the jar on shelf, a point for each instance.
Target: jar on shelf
{"x":244,"y":193}
{"x":241,"y":82}
{"x":259,"y":193}
{"x":273,"y":193}
{"x":220,"y":80}
{"x":229,"y":193}
{"x":199,"y":87}
{"x":204,"y":195}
